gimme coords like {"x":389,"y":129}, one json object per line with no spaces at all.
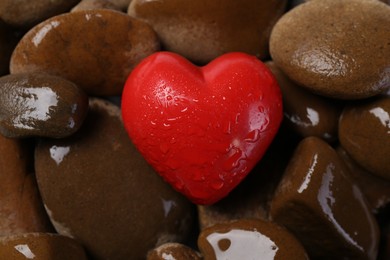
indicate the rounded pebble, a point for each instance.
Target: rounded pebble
{"x":42,"y":246}
{"x":40,"y":105}
{"x":25,"y":13}
{"x":96,"y":49}
{"x":364,"y":132}
{"x":98,"y":189}
{"x":202,"y":30}
{"x":336,"y":48}
{"x":249,"y":239}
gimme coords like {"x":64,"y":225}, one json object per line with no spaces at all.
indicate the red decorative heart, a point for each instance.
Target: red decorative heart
{"x":202,"y":128}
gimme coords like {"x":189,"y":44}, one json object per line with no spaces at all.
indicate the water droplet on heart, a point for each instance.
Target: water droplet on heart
{"x":227,"y":129}
{"x":253,"y":136}
{"x":169,"y":98}
{"x":233,"y":160}
{"x":217,"y":184}
{"x":198,"y":176}
{"x":237,"y":117}
{"x":164,"y":148}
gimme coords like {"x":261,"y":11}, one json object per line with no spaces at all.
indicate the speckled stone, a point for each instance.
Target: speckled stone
{"x":336,"y":48}
{"x":36,"y":104}
{"x":319,"y":204}
{"x":25,"y":13}
{"x":21,"y":209}
{"x":173,"y":251}
{"x":42,"y":246}
{"x":305,"y":113}
{"x":364,"y":132}
{"x":98,"y":189}
{"x":100,"y":61}
{"x":202,"y":30}
{"x":95,"y":4}
{"x":249,"y":239}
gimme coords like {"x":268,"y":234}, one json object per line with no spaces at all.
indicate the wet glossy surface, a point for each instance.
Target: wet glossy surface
{"x":364,"y":132}
{"x":173,"y":251}
{"x":347,"y":61}
{"x":40,"y":105}
{"x":249,"y":239}
{"x":315,"y":199}
{"x":97,"y":188}
{"x":202,"y":129}
{"x":307,"y":114}
{"x":42,"y":246}
{"x":21,"y":209}
{"x":202,"y":30}
{"x":112,"y":43}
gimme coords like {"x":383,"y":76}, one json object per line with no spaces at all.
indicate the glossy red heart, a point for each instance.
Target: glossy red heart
{"x":202,"y":128}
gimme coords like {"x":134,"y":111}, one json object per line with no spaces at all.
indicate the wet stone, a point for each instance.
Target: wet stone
{"x":25,"y":13}
{"x":40,"y":105}
{"x":94,"y":4}
{"x":42,"y":246}
{"x":202,"y":30}
{"x":173,"y":251}
{"x":345,"y":50}
{"x":249,"y":239}
{"x":100,"y":61}
{"x":305,"y":113}
{"x":21,"y":209}
{"x":98,"y":189}
{"x":364,"y":132}
{"x":319,"y":204}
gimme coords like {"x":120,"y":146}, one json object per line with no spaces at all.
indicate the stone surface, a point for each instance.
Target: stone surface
{"x":42,"y":246}
{"x":305,"y":113}
{"x":36,"y":104}
{"x":364,"y":132}
{"x":336,"y":48}
{"x":21,"y":209}
{"x":204,"y":29}
{"x":98,"y":189}
{"x":25,"y":13}
{"x":95,"y":4}
{"x":319,"y":204}
{"x":173,"y":251}
{"x":111,"y":45}
{"x":249,"y":239}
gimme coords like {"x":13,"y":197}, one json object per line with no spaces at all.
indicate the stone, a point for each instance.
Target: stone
{"x":335,"y":48}
{"x":21,"y":208}
{"x":35,"y":104}
{"x":249,"y":239}
{"x":42,"y":246}
{"x":98,"y":189}
{"x":205,"y":29}
{"x":322,"y":207}
{"x":173,"y":251}
{"x":94,"y":4}
{"x":364,"y":132}
{"x":305,"y":113}
{"x":25,"y":13}
{"x":99,"y":62}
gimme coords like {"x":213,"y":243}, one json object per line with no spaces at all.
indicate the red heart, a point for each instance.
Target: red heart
{"x":202,"y":128}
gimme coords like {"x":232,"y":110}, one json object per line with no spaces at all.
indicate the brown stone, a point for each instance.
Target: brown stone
{"x":96,"y":49}
{"x":21,"y":209}
{"x":36,"y":104}
{"x":98,"y":189}
{"x":25,"y":13}
{"x":95,"y":4}
{"x":42,"y":246}
{"x":320,"y":205}
{"x":173,"y":251}
{"x":305,"y":113}
{"x":249,"y":239}
{"x":364,"y":132}
{"x":202,"y":30}
{"x":336,"y":48}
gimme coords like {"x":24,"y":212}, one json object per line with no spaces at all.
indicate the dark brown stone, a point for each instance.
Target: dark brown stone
{"x":40,"y":105}
{"x":320,"y":205}
{"x":98,"y":189}
{"x":336,"y":48}
{"x":364,"y":132}
{"x":21,"y":209}
{"x":96,"y":49}
{"x":307,"y":114}
{"x":249,"y":239}
{"x":202,"y":30}
{"x":42,"y":246}
{"x":173,"y":251}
